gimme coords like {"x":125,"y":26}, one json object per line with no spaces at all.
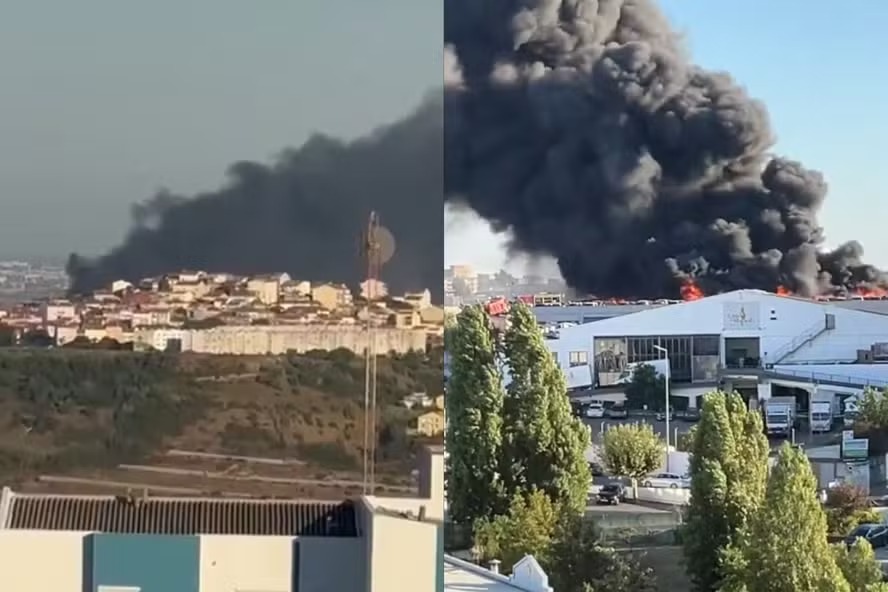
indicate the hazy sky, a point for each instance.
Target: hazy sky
{"x":819,"y":69}
{"x":102,"y":102}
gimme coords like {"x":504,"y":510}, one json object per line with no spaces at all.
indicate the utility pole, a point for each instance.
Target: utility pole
{"x":665,"y":353}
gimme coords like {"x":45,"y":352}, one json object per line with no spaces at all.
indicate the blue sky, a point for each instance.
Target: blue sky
{"x":819,"y":66}
{"x":102,"y":102}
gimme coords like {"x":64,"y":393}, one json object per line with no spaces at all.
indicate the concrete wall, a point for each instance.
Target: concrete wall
{"x":246,"y":563}
{"x":331,"y":565}
{"x":298,"y":338}
{"x":399,"y":565}
{"x":41,"y":561}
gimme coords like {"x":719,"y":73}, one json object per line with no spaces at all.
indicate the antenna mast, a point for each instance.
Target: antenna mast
{"x":378,"y":247}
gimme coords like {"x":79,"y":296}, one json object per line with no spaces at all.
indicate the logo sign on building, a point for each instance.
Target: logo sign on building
{"x":741,"y":316}
{"x":856,"y":448}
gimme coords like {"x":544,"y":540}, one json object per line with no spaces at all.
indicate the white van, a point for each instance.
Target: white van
{"x":595,"y":410}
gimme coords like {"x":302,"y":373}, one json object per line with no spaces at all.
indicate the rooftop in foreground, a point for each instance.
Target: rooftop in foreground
{"x":176,"y":516}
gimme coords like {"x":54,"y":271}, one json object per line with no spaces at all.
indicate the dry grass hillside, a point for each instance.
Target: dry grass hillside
{"x":109,"y":420}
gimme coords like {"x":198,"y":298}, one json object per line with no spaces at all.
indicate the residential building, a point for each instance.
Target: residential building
{"x":59,"y":310}
{"x":432,"y":315}
{"x":165,"y":339}
{"x":418,"y":300}
{"x":296,"y":288}
{"x":372,"y":289}
{"x":332,"y":296}
{"x":421,"y":400}
{"x":267,"y":288}
{"x":120,"y":286}
{"x":429,"y":424}
{"x":526,"y":576}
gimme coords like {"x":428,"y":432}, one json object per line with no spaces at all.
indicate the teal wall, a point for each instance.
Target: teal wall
{"x":155,"y":563}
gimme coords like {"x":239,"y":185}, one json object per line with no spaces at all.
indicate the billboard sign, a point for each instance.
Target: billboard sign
{"x":855,"y":448}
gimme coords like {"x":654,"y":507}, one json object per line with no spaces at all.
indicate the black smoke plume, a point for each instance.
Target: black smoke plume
{"x":582,"y":129}
{"x":303,"y":214}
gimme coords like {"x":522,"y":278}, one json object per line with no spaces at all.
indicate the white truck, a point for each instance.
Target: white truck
{"x":661,"y":366}
{"x":780,"y":415}
{"x":822,"y":414}
{"x":850,"y":412}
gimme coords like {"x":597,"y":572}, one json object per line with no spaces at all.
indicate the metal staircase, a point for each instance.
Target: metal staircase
{"x":804,"y":338}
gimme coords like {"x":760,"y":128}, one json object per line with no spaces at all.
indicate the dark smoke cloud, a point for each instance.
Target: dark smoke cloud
{"x":581,"y":128}
{"x":302,"y":214}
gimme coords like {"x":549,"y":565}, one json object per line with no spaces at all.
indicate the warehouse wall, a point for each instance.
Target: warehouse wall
{"x":404,"y":554}
{"x":332,"y":564}
{"x":229,"y":562}
{"x":153,"y":563}
{"x":40,"y":561}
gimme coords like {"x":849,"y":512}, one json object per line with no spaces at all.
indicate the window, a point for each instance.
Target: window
{"x":706,"y":345}
{"x":578,"y":358}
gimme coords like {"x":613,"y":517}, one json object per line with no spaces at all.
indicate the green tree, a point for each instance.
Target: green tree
{"x":872,"y":420}
{"x":647,"y":389}
{"x":632,"y":450}
{"x":728,"y":469}
{"x":847,"y":506}
{"x":526,"y":529}
{"x":474,"y":408}
{"x":578,"y":562}
{"x":686,"y":440}
{"x":859,"y":566}
{"x":7,"y":336}
{"x":787,"y":549}
{"x":544,"y":445}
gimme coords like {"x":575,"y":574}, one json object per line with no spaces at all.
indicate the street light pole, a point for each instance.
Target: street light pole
{"x":665,"y":353}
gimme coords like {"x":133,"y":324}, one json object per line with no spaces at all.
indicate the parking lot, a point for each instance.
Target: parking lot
{"x":679,"y":426}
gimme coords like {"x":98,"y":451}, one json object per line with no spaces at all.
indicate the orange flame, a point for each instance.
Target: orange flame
{"x":691,"y":291}
{"x":782,"y":291}
{"x":871,"y":293}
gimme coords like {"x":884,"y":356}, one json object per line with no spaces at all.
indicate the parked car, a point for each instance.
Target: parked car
{"x":692,"y":415}
{"x":594,"y":410}
{"x":661,"y":415}
{"x":618,"y":412}
{"x":875,"y":534}
{"x":612,"y":493}
{"x":596,"y":470}
{"x":670,"y":480}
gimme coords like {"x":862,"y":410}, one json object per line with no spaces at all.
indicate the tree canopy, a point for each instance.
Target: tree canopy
{"x":859,"y":567}
{"x":647,"y":389}
{"x":728,"y":470}
{"x":632,"y":450}
{"x":474,"y":429}
{"x":544,"y":445}
{"x":787,"y":549}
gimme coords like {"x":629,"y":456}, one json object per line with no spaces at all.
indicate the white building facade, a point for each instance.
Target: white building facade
{"x":747,"y":338}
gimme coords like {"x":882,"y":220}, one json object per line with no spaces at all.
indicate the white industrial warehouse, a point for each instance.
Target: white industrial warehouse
{"x":748,"y":340}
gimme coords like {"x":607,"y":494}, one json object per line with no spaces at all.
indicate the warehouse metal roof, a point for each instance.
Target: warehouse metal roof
{"x":177,"y":516}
